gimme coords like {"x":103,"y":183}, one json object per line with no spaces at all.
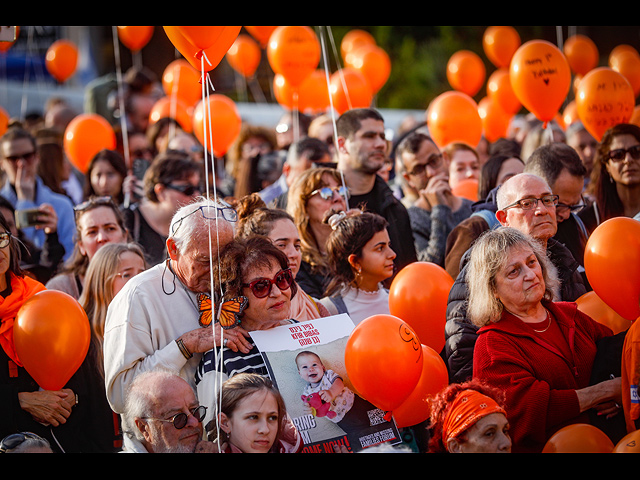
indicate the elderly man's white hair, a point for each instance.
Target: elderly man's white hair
{"x":507,"y":191}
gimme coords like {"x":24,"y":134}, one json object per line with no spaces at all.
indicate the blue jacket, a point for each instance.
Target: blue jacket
{"x":62,"y":206}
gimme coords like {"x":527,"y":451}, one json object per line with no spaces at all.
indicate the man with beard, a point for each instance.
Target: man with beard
{"x":362,"y":151}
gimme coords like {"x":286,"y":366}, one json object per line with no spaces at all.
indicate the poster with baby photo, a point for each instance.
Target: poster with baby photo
{"x":306,"y":363}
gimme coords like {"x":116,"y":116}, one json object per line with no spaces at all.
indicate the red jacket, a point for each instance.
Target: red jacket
{"x":539,"y":381}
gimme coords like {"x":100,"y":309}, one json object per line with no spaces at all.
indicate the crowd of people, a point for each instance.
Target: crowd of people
{"x":294,"y":229}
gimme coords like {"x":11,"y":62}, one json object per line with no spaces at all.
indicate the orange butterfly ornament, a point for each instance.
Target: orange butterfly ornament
{"x":228,"y":314}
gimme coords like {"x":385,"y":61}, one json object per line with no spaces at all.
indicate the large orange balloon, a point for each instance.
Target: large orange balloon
{"x":579,"y":438}
{"x":214,"y":53}
{"x":604,"y":98}
{"x":466,"y":72}
{"x":294,"y":52}
{"x":261,"y":34}
{"x":172,"y":107}
{"x":135,"y":38}
{"x":61,"y":59}
{"x":217,"y":125}
{"x":582,"y":54}
{"x":628,"y":64}
{"x":612,"y":265}
{"x":244,"y":55}
{"x":467,"y":188}
{"x":349,"y":89}
{"x":312,"y":96}
{"x":86,"y":135}
{"x":373,"y":63}
{"x":181,"y":80}
{"x":618,"y":51}
{"x":500,"y":90}
{"x":500,"y":44}
{"x":352,"y":41}
{"x":434,"y":377}
{"x":51,"y":334}
{"x":418,"y":295}
{"x":453,"y":117}
{"x":383,"y":359}
{"x":593,"y":306}
{"x":495,"y":121}
{"x":629,"y":444}
{"x":541,"y":78}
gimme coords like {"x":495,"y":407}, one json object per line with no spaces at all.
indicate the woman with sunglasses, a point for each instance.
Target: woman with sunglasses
{"x":615,"y":178}
{"x":172,"y":181}
{"x":313,"y":194}
{"x":255,"y":218}
{"x":361,"y":258}
{"x":98,"y":222}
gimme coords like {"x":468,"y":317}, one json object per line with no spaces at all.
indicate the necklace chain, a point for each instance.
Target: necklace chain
{"x":547,"y":327}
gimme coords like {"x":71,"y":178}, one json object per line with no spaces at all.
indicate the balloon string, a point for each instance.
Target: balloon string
{"x":332,"y":109}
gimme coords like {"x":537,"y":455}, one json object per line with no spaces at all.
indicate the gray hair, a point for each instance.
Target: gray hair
{"x":489,"y":254}
{"x":506,"y":192}
{"x":187,"y":224}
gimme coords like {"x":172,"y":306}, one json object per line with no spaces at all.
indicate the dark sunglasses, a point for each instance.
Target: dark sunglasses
{"x":326,"y":193}
{"x":620,"y":154}
{"x":261,"y":287}
{"x":180,"y":419}
{"x":16,"y":439}
{"x":188,"y":190}
{"x":27,"y":157}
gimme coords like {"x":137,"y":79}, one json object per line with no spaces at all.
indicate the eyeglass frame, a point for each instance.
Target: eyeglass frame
{"x":93,"y":202}
{"x":634,"y":156}
{"x":27,"y":157}
{"x":573,"y":208}
{"x":172,"y":420}
{"x":421,"y":169}
{"x":183,"y":189}
{"x":535,"y":205}
{"x":272,"y":282}
{"x":5,"y":237}
{"x":222,"y":208}
{"x":342,"y":191}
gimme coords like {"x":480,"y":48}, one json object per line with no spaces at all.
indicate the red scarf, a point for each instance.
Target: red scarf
{"x":22,"y":288}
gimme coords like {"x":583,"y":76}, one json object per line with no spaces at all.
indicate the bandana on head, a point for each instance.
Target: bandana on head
{"x":468,"y":407}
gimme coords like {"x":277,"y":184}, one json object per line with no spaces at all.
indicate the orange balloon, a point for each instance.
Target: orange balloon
{"x":635,"y":117}
{"x":373,"y":63}
{"x":500,"y":44}
{"x":61,"y":59}
{"x":418,"y":295}
{"x":500,"y":90}
{"x":579,"y":438}
{"x":51,"y":334}
{"x":135,"y":38}
{"x":261,"y":34}
{"x":495,"y":121}
{"x":541,"y":78}
{"x":294,"y":52}
{"x":218,"y":125}
{"x":172,"y":107}
{"x":434,"y":377}
{"x":570,"y":114}
{"x":353,"y":40}
{"x":466,"y":72}
{"x":349,"y":89}
{"x":312,"y":96}
{"x":214,"y":53}
{"x":85,"y":136}
{"x":593,"y":306}
{"x":4,"y":121}
{"x":181,"y":80}
{"x":467,"y":188}
{"x":629,"y":443}
{"x":604,"y":99}
{"x":201,"y":36}
{"x":383,"y":359}
{"x":582,"y":54}
{"x":612,"y":265}
{"x":244,"y":55}
{"x":628,"y":64}
{"x":618,"y":51}
{"x":453,"y":117}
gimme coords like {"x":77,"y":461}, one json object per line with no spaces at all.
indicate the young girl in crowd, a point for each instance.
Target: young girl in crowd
{"x":361,"y":258}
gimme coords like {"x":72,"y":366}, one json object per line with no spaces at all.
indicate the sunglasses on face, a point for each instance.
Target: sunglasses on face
{"x":180,"y":420}
{"x":188,"y":190}
{"x":261,"y":287}
{"x":620,"y":154}
{"x":326,"y":193}
{"x":27,"y":157}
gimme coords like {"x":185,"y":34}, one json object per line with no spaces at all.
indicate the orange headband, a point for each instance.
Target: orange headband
{"x":468,"y":407}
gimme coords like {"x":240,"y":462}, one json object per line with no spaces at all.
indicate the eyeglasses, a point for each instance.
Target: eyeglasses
{"x":93,"y":202}
{"x":225,"y":210}
{"x":27,"y":157}
{"x":188,"y":190}
{"x":620,"y":154}
{"x":261,"y":287}
{"x":326,"y":193}
{"x":433,"y":162}
{"x":180,"y":419}
{"x":5,"y":239}
{"x":531,"y":203}
{"x":16,"y":439}
{"x":574,"y":208}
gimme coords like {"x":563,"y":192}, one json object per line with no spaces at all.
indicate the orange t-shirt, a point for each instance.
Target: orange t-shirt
{"x":631,"y":376}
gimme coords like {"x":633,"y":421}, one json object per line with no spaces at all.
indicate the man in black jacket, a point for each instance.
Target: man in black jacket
{"x":362,"y":151}
{"x":540,"y":223}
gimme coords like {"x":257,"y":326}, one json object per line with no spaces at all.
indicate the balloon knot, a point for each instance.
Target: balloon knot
{"x":387,"y":416}
{"x":199,"y":54}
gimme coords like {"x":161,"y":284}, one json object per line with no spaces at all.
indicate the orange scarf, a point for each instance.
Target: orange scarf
{"x":22,"y":288}
{"x":468,"y":407}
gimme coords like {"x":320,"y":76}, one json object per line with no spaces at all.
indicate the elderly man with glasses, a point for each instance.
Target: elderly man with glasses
{"x":526,"y":203}
{"x":155,"y":320}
